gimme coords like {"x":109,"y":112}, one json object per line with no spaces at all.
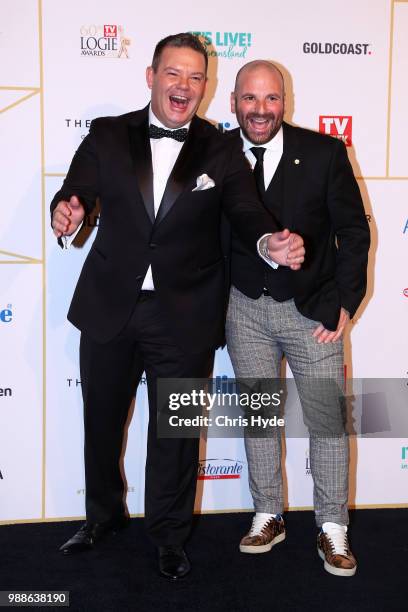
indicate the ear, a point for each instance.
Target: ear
{"x":149,"y":76}
{"x":232,"y":100}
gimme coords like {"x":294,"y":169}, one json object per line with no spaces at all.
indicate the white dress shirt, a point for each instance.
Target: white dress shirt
{"x":272,"y":157}
{"x":164,"y":154}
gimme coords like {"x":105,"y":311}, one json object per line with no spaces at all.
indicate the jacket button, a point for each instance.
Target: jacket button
{"x":152,"y":245}
{"x":139,"y":277}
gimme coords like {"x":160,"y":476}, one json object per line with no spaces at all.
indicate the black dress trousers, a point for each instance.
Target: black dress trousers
{"x":110,"y":374}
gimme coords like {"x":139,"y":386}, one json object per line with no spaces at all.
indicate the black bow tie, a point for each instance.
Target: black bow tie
{"x":157,"y":132}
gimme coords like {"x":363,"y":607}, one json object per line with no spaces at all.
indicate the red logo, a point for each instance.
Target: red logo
{"x":110,"y":31}
{"x":405,"y":292}
{"x":337,"y":126}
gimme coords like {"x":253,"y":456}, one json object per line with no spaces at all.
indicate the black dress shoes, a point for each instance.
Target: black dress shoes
{"x":173,"y":562}
{"x":91,"y":533}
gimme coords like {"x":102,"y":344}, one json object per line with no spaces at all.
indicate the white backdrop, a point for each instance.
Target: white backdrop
{"x":345,"y":63}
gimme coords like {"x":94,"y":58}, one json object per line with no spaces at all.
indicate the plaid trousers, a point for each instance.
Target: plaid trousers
{"x":259,"y":332}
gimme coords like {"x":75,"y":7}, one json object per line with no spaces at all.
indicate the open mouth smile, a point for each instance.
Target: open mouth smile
{"x":259,"y":123}
{"x":179,"y":102}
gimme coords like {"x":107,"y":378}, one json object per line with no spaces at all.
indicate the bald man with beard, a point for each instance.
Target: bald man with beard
{"x":306,"y":182}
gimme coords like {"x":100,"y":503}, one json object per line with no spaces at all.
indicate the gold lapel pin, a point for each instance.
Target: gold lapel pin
{"x":297,"y":161}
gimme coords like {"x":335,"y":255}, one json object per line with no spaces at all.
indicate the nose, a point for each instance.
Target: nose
{"x":183,"y":82}
{"x":260,"y":107}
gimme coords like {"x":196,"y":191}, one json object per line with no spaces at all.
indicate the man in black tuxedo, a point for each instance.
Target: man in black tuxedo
{"x":150,"y":296}
{"x":306,"y":181}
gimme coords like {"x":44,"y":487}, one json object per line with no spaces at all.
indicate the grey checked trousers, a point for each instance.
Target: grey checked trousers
{"x":259,"y":332}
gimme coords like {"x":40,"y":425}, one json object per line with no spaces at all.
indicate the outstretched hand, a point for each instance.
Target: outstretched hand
{"x":67,"y":217}
{"x":286,"y":249}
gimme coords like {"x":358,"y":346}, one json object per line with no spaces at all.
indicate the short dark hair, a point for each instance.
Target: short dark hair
{"x":184,"y":39}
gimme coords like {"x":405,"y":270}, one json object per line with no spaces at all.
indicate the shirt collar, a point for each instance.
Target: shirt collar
{"x":275,"y":144}
{"x":154,"y":119}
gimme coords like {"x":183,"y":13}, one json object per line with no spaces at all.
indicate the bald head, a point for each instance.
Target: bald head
{"x":258,"y":100}
{"x":259,"y":65}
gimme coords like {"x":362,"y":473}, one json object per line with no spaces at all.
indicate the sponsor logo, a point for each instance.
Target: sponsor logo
{"x":230,"y":45}
{"x":405,"y":230}
{"x":308,"y":471}
{"x":336,"y":48}
{"x":405,"y":292}
{"x":82,"y":124}
{"x":219,"y":469}
{"x":6,"y":315}
{"x":224,"y":384}
{"x":224,"y":127}
{"x":337,"y":126}
{"x":75,"y":382}
{"x":104,"y":41}
{"x":6,"y":392}
{"x":404,"y":458}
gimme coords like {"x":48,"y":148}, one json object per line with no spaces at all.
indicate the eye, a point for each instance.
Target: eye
{"x":249,"y":98}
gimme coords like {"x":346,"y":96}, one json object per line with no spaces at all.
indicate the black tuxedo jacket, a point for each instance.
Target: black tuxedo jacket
{"x":182,"y":244}
{"x":322,"y":203}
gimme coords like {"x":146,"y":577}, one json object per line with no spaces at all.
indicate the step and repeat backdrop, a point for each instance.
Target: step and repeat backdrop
{"x":62,"y":64}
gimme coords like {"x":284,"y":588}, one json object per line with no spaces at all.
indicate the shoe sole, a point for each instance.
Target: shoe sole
{"x":335,"y":571}
{"x":254,"y":550}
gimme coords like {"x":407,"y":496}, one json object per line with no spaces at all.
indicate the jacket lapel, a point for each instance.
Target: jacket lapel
{"x":142,"y":157}
{"x":187,"y":167}
{"x":292,"y":175}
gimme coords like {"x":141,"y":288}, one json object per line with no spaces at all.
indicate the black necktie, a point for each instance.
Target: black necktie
{"x":259,"y":170}
{"x":157,"y":132}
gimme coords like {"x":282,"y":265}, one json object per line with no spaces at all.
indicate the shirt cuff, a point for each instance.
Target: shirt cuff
{"x":68,"y":240}
{"x":262,"y":246}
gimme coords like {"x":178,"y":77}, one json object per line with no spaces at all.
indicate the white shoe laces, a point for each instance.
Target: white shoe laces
{"x":337,"y":535}
{"x":259,"y":522}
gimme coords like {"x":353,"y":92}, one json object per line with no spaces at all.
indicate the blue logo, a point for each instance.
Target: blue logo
{"x":231,"y":45}
{"x":404,"y":457}
{"x":6,"y":315}
{"x":224,"y":127}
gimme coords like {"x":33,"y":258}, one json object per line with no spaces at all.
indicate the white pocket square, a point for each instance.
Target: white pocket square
{"x":204,"y":182}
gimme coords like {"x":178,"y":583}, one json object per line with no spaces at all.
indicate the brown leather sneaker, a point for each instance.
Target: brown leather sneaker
{"x":334,"y":549}
{"x":265,"y":532}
